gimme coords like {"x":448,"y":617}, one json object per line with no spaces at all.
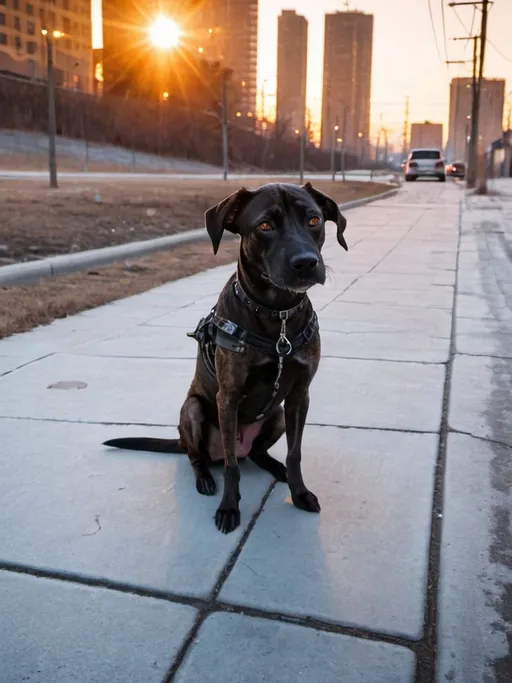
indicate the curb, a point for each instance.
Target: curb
{"x":27,"y":273}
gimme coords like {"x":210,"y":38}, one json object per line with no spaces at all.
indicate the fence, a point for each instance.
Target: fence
{"x":164,"y":129}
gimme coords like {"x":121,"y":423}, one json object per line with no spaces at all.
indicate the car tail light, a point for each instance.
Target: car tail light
{"x":439,"y":164}
{"x":413,"y":164}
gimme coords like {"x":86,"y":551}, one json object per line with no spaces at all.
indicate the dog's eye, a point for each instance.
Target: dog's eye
{"x":265,"y":226}
{"x":314,"y":221}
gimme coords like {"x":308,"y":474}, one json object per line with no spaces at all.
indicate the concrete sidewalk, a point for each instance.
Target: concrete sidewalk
{"x":111,"y":569}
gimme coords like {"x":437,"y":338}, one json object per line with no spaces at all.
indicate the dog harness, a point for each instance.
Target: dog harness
{"x":213,"y":331}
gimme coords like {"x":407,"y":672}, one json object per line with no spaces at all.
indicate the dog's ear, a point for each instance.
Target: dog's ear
{"x":330,"y":210}
{"x":223,"y":216}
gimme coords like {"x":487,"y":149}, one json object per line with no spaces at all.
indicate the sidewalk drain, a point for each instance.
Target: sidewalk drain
{"x":69,"y":384}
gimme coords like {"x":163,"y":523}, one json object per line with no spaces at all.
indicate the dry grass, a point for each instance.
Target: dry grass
{"x":84,"y":214}
{"x":22,"y":308}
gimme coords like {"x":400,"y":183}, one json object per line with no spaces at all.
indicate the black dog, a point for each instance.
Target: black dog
{"x":258,"y":347}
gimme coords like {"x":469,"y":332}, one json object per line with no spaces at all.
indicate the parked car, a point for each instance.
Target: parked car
{"x":457,"y":169}
{"x":425,"y":163}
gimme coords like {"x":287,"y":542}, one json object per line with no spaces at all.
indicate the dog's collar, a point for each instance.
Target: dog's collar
{"x":263,"y":311}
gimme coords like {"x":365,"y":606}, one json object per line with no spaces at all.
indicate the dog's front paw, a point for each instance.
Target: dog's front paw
{"x":227,"y":519}
{"x":306,"y":500}
{"x":278,"y":471}
{"x":205,"y":484}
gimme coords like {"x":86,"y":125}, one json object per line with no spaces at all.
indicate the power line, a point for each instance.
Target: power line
{"x":499,"y":51}
{"x":434,"y":30}
{"x":470,"y":32}
{"x":444,"y":31}
{"x":472,"y":21}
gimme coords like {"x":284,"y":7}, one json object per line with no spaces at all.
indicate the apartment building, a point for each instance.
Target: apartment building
{"x":23,"y":52}
{"x":292,"y":58}
{"x":492,"y":102}
{"x":347,"y":79}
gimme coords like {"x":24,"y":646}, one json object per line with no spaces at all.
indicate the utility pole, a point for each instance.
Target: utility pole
{"x":302,"y":143}
{"x":343,"y":143}
{"x":52,"y":120}
{"x":471,"y":175}
{"x":224,"y":105}
{"x":335,"y":130}
{"x":405,"y":130}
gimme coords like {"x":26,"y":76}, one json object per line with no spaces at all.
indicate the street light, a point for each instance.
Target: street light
{"x":164,"y":33}
{"x":50,"y":36}
{"x":302,"y":144}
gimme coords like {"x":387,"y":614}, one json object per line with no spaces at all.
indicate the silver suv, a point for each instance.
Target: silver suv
{"x":428,"y":163}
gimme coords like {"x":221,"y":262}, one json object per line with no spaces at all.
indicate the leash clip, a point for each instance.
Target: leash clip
{"x":283,"y":346}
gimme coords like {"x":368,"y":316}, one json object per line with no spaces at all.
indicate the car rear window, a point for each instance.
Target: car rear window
{"x":426,"y":154}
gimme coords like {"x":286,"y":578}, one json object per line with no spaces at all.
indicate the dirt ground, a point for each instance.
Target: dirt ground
{"x":87,"y":214}
{"x":22,"y":308}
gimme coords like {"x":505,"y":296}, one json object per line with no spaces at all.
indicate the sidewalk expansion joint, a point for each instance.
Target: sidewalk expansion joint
{"x":485,"y":355}
{"x":100,"y":423}
{"x":317,"y":625}
{"x":486,"y":439}
{"x":209,"y":605}
{"x":96,"y":582}
{"x":373,"y":429}
{"x":427,"y":648}
{"x":24,"y":365}
{"x":59,"y":420}
{"x":388,"y":360}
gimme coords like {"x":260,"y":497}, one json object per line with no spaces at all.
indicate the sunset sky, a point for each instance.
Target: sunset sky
{"x":405,"y":58}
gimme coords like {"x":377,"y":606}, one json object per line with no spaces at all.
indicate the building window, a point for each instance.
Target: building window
{"x":31,"y":28}
{"x":2,"y":19}
{"x":3,"y":39}
{"x":31,"y":47}
{"x":41,"y":16}
{"x":3,"y":2}
{"x":67,"y":44}
{"x":15,"y":4}
{"x":17,"y":42}
{"x":29,"y":8}
{"x":65,"y":4}
{"x":66,"y":24}
{"x":17,"y":23}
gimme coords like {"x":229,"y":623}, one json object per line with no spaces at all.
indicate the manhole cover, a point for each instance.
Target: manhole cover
{"x":68,"y":384}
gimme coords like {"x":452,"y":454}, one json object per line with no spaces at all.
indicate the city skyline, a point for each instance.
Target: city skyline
{"x":405,"y":60}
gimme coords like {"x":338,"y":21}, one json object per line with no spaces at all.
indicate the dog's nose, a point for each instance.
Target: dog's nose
{"x":305,"y":262}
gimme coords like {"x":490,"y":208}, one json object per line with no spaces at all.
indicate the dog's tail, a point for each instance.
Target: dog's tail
{"x":147,"y":444}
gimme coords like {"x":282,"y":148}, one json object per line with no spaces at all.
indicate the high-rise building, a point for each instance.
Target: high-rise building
{"x":347,"y":79}
{"x":292,"y":57}
{"x":126,"y":68}
{"x":425,"y":135}
{"x":226,"y":31}
{"x":492,"y":100}
{"x":23,"y":50}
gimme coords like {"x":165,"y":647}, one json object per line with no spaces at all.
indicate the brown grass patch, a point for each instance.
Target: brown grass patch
{"x":87,"y":214}
{"x":22,"y":308}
